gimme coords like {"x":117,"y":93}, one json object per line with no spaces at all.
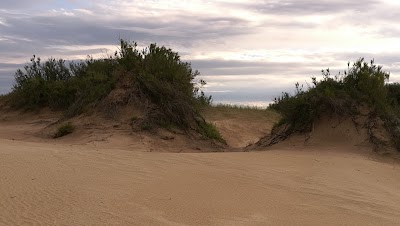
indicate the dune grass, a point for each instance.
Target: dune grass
{"x":228,"y":111}
{"x":211,"y":131}
{"x":64,"y":129}
{"x":237,"y":106}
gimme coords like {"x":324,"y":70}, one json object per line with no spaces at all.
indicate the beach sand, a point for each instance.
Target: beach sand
{"x":119,"y":181}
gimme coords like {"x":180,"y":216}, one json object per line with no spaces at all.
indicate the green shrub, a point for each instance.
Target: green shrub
{"x":155,"y":76}
{"x":64,"y":129}
{"x":167,"y":83}
{"x":342,"y":95}
{"x":158,"y":72}
{"x":393,"y":93}
{"x":56,"y":85}
{"x":339,"y":95}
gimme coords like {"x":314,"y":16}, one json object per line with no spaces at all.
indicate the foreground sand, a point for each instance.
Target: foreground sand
{"x":63,"y":185}
{"x":59,"y":183}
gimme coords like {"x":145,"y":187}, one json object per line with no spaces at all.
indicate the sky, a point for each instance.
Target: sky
{"x":247,"y":51}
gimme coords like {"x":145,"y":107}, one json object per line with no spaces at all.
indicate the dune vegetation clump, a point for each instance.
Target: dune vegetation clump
{"x":61,"y":86}
{"x":64,"y":129}
{"x":154,"y":79}
{"x":342,"y":95}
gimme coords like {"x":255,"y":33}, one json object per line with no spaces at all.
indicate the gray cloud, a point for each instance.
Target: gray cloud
{"x":41,"y":27}
{"x":5,"y":86}
{"x":33,"y":34}
{"x":7,"y":72}
{"x":302,"y":7}
{"x":239,"y":68}
{"x":6,"y":81}
{"x":22,"y":4}
{"x":239,"y":81}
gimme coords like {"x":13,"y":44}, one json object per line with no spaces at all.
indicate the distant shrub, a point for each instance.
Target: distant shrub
{"x":64,"y":129}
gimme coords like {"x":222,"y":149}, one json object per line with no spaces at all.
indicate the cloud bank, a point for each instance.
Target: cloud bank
{"x":248,"y":51}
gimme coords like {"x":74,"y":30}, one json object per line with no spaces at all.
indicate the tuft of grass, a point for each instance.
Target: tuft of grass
{"x":64,"y":129}
{"x":134,"y":118}
{"x":238,"y":107}
{"x":210,"y":130}
{"x":215,"y":112}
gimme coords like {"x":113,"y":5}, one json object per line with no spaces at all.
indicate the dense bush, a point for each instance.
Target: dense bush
{"x":393,"y":93}
{"x":156,"y":75}
{"x":161,"y":78}
{"x":339,"y":95}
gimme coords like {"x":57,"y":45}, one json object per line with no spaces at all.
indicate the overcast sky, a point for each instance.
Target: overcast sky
{"x":247,"y":51}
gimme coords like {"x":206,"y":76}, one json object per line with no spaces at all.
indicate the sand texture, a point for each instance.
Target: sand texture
{"x":112,"y":177}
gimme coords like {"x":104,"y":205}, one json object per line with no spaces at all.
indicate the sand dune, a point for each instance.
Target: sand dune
{"x":118,"y":181}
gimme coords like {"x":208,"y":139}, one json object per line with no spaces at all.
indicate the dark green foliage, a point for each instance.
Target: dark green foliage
{"x":393,"y":93}
{"x":58,"y":86}
{"x":93,"y":81}
{"x":163,"y":84}
{"x":157,"y":71}
{"x":36,"y":85}
{"x":64,"y":129}
{"x":392,"y":118}
{"x":166,"y":82}
{"x":366,"y":82}
{"x":339,"y":95}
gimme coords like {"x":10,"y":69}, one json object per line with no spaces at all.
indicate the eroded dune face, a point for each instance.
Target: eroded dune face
{"x":116,"y":180}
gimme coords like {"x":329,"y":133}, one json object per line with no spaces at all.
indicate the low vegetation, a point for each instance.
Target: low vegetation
{"x":64,"y":129}
{"x":211,"y":131}
{"x":154,"y":78}
{"x":238,"y":107}
{"x":341,"y":95}
{"x":170,"y":94}
{"x":239,"y":112}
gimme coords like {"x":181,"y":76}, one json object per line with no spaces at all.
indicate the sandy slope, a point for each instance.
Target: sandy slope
{"x":241,"y":127}
{"x":45,"y":182}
